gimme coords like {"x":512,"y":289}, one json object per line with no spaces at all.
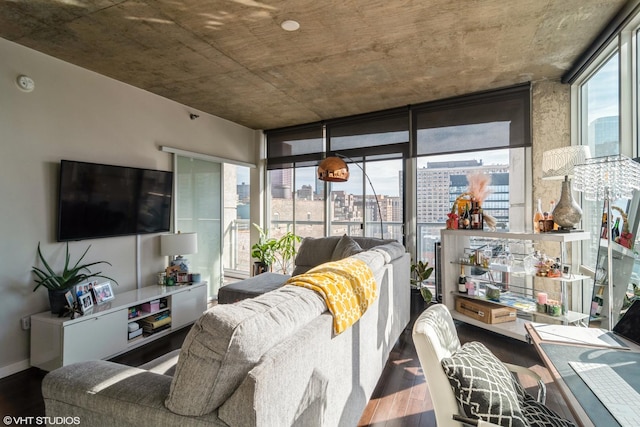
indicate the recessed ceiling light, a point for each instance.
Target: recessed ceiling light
{"x":290,"y":25}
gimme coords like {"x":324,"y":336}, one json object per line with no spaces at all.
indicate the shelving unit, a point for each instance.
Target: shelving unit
{"x":519,"y":290}
{"x":624,"y":261}
{"x":103,"y":333}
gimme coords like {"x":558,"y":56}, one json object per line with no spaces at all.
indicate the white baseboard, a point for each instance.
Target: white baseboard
{"x":14,"y":368}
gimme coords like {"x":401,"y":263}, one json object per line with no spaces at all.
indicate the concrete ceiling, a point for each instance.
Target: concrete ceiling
{"x":231,"y":58}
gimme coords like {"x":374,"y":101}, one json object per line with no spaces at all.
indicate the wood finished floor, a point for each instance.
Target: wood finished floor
{"x":401,"y":397}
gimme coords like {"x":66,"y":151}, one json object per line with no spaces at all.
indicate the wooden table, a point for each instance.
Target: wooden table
{"x":587,"y":410}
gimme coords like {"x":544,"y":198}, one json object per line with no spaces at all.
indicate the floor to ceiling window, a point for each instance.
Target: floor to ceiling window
{"x":605,"y":114}
{"x":488,"y":132}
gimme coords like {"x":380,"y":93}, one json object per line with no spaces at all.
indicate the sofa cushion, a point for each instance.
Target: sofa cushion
{"x":345,"y":248}
{"x":390,"y":251}
{"x":227,"y":341}
{"x":314,"y":251}
{"x":483,"y":386}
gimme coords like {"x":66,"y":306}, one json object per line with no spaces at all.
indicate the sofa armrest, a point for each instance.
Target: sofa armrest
{"x":104,"y":393}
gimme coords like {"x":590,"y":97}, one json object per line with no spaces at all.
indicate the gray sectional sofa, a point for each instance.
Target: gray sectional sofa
{"x":272,"y":360}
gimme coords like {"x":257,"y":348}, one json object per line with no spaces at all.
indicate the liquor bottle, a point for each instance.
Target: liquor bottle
{"x":466,"y":219}
{"x":552,"y":206}
{"x":475,"y":215}
{"x":604,"y":228}
{"x":462,"y":281}
{"x":480,"y":218}
{"x":615,"y":231}
{"x":537,"y":217}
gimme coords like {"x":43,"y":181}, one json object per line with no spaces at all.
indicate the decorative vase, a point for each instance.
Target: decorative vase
{"x":57,"y":300}
{"x":567,"y":213}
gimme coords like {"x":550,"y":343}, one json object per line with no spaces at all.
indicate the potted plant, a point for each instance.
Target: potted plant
{"x":286,"y":249}
{"x":59,"y":284}
{"x":270,"y":250}
{"x":264,"y":251}
{"x":420,"y":293}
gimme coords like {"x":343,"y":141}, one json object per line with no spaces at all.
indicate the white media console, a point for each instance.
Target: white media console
{"x":103,"y":333}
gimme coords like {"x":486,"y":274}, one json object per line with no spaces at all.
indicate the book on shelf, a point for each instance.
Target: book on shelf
{"x":151,"y":331}
{"x":134,"y":334}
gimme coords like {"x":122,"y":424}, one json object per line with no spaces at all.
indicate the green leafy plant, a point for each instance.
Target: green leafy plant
{"x":70,"y":276}
{"x":420,"y":272}
{"x":269,"y":250}
{"x":286,"y":250}
{"x":265,"y":249}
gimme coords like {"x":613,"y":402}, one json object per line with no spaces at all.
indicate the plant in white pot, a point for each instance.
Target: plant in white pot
{"x":59,"y":283}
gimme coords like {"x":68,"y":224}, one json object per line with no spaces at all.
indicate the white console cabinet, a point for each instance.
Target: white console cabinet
{"x":518,"y":287}
{"x":103,"y":333}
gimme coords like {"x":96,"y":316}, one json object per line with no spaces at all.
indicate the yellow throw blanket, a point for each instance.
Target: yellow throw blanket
{"x":347,"y":286}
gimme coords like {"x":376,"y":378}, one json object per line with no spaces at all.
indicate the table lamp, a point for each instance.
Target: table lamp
{"x":559,"y":164}
{"x":178,"y":245}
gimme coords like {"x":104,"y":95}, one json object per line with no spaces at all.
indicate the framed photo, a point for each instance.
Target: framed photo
{"x":566,"y":270}
{"x":81,"y":290}
{"x":103,"y":292}
{"x":68,"y":296}
{"x":85,"y":301}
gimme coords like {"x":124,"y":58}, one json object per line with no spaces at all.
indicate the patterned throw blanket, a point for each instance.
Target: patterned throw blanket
{"x":347,"y":286}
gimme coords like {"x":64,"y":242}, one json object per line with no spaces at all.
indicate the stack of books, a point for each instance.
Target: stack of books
{"x":156,"y":323}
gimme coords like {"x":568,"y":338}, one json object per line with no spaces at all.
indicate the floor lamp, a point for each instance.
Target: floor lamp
{"x":334,"y":169}
{"x":608,"y":178}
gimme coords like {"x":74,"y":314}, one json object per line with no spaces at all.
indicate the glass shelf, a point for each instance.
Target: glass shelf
{"x":527,"y":305}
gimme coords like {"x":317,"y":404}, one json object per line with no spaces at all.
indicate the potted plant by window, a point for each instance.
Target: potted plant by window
{"x":269,"y":251}
{"x":59,"y":284}
{"x":286,"y":250}
{"x":264,"y":251}
{"x":420,"y":293}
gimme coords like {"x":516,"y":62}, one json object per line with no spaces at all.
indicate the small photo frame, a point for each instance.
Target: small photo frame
{"x":81,"y":290}
{"x":566,"y":270}
{"x":68,"y":296}
{"x":102,"y":292}
{"x":85,"y":301}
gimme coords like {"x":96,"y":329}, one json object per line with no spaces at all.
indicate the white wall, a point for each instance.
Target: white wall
{"x":76,"y":114}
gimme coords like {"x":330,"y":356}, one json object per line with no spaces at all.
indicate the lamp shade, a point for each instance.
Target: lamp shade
{"x":179,"y":244}
{"x":608,"y":178}
{"x":333,"y":169}
{"x":558,"y":163}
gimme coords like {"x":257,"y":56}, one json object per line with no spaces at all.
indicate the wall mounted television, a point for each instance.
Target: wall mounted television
{"x":97,"y":200}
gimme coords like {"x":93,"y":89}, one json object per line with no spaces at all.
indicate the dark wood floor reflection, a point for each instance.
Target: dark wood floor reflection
{"x":401,"y":398}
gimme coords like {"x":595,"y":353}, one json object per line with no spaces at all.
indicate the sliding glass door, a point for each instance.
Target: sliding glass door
{"x":199,"y":209}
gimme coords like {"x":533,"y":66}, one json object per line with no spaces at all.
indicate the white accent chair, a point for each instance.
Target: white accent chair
{"x":435,"y":338}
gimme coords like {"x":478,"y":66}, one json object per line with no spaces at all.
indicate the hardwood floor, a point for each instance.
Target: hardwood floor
{"x":401,"y":397}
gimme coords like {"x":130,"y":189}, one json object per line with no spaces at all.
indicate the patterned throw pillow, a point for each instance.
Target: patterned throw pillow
{"x":536,"y":413}
{"x":483,"y":386}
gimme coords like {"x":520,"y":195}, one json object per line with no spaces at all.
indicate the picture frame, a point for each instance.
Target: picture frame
{"x":80,"y":290}
{"x":103,"y":292}
{"x":68,"y":296}
{"x":85,"y":301}
{"x":566,"y":270}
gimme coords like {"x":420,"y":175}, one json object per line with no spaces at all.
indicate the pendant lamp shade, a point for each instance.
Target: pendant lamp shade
{"x":333,"y":169}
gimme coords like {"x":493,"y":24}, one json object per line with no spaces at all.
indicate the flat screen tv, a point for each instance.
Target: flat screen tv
{"x":97,"y":200}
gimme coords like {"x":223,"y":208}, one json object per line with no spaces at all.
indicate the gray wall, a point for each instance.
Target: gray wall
{"x":80,"y":115}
